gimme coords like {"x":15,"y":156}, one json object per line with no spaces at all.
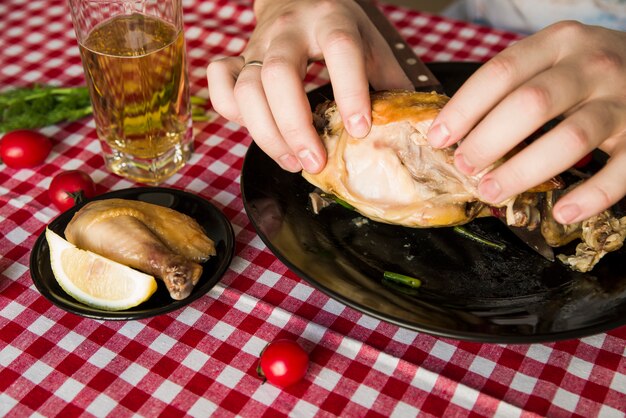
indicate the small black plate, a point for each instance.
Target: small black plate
{"x":469,"y":291}
{"x":212,"y":220}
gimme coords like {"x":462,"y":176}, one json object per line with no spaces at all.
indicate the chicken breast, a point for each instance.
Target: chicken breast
{"x":156,"y":240}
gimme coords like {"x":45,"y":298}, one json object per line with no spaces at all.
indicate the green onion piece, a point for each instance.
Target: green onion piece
{"x":198,"y":101}
{"x":337,"y":200}
{"x":344,"y":203}
{"x":403,"y":279}
{"x":475,"y":237}
{"x":200,"y":118}
{"x":198,"y":111}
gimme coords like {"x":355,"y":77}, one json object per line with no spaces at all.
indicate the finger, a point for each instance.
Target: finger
{"x":555,"y":152}
{"x":498,"y":77}
{"x":542,"y":98}
{"x":598,"y":193}
{"x":221,"y":78}
{"x":258,"y":118}
{"x":342,"y":48}
{"x":284,"y":68}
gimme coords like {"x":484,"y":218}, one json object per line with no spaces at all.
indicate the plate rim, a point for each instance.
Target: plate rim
{"x":125,"y":315}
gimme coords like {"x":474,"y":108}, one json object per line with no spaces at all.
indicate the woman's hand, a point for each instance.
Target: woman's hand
{"x":567,"y":69}
{"x":270,"y":100}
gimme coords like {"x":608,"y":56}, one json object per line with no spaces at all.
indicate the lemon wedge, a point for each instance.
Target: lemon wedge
{"x":95,"y":280}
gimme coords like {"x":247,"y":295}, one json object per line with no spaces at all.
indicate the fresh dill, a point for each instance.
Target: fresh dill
{"x":38,"y":106}
{"x":44,"y":105}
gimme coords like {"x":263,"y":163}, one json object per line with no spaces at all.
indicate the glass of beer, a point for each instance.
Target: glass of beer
{"x":133,"y":54}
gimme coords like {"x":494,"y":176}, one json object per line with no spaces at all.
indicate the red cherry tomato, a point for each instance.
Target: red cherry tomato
{"x":71,"y":187}
{"x":283,"y":363}
{"x":584,"y":161}
{"x":24,"y":148}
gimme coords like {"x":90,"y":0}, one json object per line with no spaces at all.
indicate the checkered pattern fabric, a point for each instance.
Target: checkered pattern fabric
{"x":201,"y":360}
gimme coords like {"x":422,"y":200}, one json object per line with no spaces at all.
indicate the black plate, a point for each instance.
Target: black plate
{"x":215,"y":224}
{"x":469,"y":291}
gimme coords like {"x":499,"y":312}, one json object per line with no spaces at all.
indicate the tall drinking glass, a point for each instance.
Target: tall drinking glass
{"x":133,"y":54}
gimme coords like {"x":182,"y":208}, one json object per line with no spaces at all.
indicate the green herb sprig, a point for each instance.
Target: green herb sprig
{"x":478,"y":238}
{"x":44,"y":105}
{"x":38,"y":106}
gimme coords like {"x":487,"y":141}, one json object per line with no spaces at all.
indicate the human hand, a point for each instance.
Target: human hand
{"x":567,"y":69}
{"x":270,"y":99}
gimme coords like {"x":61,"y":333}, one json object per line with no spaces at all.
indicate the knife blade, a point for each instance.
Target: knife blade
{"x":533,"y":239}
{"x":419,"y":74}
{"x":424,"y":80}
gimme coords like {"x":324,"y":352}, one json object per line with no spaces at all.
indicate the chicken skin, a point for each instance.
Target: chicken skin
{"x":153,"y":239}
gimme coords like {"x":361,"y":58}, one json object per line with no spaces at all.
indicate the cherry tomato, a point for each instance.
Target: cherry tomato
{"x":24,"y":148}
{"x":584,"y":161}
{"x":283,"y":363}
{"x":71,"y":187}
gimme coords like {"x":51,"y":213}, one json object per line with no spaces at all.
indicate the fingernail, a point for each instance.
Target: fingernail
{"x":358,"y":126}
{"x":462,"y":164}
{"x":568,"y":214}
{"x":438,"y":135}
{"x":309,"y":161}
{"x":289,"y":162}
{"x":490,"y":190}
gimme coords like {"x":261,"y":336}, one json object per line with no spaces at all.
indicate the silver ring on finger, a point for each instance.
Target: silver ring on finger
{"x":253,"y":63}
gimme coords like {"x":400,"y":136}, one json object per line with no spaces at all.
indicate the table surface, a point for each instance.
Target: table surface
{"x":201,"y":359}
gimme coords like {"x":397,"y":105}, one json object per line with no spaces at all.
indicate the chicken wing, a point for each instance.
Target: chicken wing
{"x":151,"y":238}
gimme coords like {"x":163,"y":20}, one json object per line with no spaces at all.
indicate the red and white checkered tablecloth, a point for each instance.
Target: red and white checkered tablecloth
{"x":201,"y":360}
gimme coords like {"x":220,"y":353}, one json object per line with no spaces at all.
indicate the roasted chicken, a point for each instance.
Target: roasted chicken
{"x":393,"y":175}
{"x":156,"y":240}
